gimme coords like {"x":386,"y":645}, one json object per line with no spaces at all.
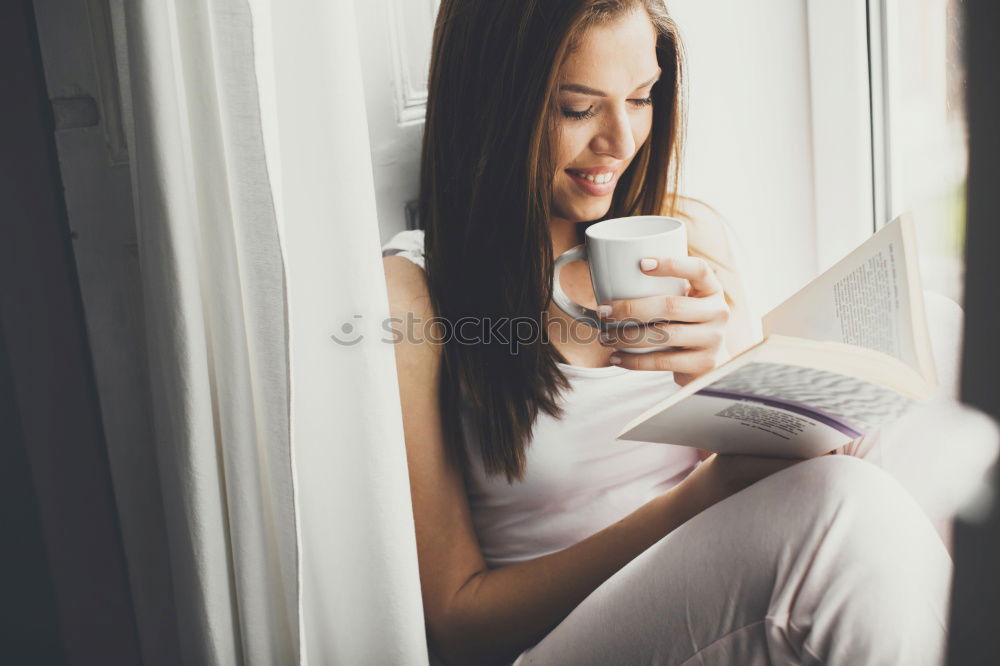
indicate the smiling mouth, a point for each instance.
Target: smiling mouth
{"x":598,"y":179}
{"x":594,"y":184}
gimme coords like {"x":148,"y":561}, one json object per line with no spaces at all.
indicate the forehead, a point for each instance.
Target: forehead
{"x":614,"y":55}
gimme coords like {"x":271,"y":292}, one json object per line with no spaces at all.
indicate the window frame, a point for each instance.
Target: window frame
{"x":879,"y":54}
{"x":847,"y":101}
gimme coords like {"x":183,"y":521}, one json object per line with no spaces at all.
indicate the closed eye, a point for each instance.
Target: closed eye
{"x":589,"y":112}
{"x":580,"y":115}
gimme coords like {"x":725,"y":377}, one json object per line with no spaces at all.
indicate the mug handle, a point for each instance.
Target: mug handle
{"x":579,"y":312}
{"x":573,"y":309}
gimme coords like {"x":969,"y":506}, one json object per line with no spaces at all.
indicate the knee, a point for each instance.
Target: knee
{"x":831,"y":483}
{"x":863,"y":562}
{"x":859,"y":505}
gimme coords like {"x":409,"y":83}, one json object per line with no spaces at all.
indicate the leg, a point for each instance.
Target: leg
{"x":826,"y":562}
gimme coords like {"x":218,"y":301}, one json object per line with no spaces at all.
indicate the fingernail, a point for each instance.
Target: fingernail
{"x":648,"y":264}
{"x":604,"y":311}
{"x":615,"y":359}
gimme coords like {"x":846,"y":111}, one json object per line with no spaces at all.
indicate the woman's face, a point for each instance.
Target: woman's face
{"x":605,"y":114}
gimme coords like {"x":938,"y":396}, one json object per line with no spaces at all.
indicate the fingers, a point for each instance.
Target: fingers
{"x":665,"y":308}
{"x":695,"y":270}
{"x":658,"y":334}
{"x":687,"y":361}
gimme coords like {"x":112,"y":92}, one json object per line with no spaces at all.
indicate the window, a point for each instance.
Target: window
{"x":918,"y":129}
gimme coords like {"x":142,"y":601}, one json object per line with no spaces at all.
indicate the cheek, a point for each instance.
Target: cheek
{"x":641,"y":128}
{"x":571,"y":142}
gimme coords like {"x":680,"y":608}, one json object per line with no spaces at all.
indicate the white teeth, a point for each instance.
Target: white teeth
{"x":601,"y":179}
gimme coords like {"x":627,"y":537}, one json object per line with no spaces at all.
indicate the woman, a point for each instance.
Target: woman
{"x":540,"y":538}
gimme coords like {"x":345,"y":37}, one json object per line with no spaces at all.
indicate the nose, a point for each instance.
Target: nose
{"x":615,"y":137}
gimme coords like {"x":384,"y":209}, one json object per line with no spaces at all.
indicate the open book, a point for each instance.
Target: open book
{"x":849,"y":352}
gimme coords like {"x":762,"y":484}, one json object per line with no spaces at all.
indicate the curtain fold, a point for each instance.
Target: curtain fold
{"x":214,"y":295}
{"x":360,"y":598}
{"x":280,"y":451}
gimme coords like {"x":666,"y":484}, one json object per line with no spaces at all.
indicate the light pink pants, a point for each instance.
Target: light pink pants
{"x":833,"y":561}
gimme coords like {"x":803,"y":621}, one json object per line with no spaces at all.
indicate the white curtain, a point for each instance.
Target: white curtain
{"x":280,"y":451}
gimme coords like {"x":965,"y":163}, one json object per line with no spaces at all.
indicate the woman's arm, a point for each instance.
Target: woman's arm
{"x":480,"y":615}
{"x":501,"y":612}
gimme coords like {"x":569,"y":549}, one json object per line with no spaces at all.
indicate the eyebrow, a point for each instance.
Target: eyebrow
{"x":586,"y":90}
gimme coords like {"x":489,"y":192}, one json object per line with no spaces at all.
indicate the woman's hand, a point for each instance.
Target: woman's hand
{"x":720,"y":476}
{"x":696,"y":323}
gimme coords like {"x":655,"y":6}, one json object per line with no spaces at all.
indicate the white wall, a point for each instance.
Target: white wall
{"x":749,"y":148}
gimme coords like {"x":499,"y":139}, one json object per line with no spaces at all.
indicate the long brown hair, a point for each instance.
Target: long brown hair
{"x":485,"y":197}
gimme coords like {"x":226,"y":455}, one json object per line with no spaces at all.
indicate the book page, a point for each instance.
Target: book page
{"x":851,"y":404}
{"x":767,"y":408}
{"x":726,"y":425}
{"x":866,"y":299}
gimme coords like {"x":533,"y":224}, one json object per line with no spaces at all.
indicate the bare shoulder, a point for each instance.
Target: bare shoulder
{"x":711,"y":237}
{"x":406,"y":284}
{"x":708,"y":231}
{"x":410,"y":311}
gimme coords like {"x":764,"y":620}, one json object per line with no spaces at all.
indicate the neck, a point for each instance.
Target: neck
{"x":564,"y":235}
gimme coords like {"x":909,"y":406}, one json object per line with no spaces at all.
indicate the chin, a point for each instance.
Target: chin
{"x":594,"y":212}
{"x":585,"y":211}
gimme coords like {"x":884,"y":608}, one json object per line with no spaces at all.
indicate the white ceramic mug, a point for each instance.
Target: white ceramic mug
{"x":613,"y":249}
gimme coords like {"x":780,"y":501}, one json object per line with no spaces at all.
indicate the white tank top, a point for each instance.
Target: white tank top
{"x":578,"y":479}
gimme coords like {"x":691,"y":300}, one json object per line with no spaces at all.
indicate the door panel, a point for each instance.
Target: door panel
{"x":395,"y":37}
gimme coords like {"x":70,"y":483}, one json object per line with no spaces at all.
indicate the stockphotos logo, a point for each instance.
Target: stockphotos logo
{"x":513,"y":332}
{"x":350,"y":332}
